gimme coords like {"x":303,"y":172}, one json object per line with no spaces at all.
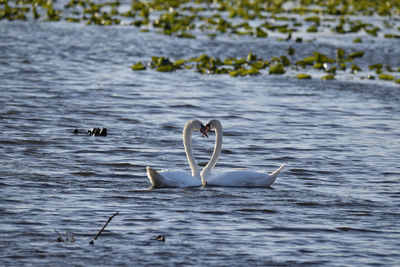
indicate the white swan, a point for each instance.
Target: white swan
{"x":180,"y":178}
{"x":239,"y":178}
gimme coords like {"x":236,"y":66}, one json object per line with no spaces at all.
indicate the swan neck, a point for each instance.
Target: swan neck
{"x":187,"y":142}
{"x":216,"y":153}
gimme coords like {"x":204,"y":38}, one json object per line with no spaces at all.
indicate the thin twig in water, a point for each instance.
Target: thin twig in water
{"x":99,"y":233}
{"x":59,"y":239}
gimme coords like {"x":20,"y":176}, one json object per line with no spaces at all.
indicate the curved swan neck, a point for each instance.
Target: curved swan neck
{"x":215,"y":124}
{"x":187,"y":142}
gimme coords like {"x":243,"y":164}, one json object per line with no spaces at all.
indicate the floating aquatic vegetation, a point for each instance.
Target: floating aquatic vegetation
{"x":276,"y":69}
{"x":386,"y":77}
{"x":356,"y":54}
{"x":313,"y":28}
{"x":138,"y":66}
{"x":376,"y":67}
{"x":339,"y":54}
{"x":291,"y":51}
{"x":285,"y":61}
{"x":392,"y":36}
{"x":253,"y":19}
{"x":302,"y":76}
{"x":331,"y":70}
{"x":328,"y":77}
{"x":254,"y":65}
{"x":180,"y":17}
{"x":355,"y":68}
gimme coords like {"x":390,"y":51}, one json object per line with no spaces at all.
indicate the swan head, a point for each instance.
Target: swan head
{"x":204,"y":130}
{"x":211,"y":125}
{"x":196,"y":125}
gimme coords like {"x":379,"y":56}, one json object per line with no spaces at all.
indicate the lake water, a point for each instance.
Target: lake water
{"x":336,"y":203}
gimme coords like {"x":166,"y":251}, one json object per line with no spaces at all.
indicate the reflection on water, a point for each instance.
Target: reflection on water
{"x":336,"y":202}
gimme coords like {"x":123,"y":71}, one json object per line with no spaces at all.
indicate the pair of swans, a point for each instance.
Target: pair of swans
{"x":234,"y":178}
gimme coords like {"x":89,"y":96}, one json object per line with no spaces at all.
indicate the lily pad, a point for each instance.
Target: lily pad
{"x":291,"y":51}
{"x":339,"y":54}
{"x":302,"y":76}
{"x":355,"y":68}
{"x":285,"y":61}
{"x":277,"y":69}
{"x":375,"y":66}
{"x":167,"y":68}
{"x":356,"y":54}
{"x":138,"y":66}
{"x":260,"y":33}
{"x":328,"y":77}
{"x":386,"y":77}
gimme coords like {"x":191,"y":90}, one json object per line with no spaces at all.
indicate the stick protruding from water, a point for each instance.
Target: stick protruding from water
{"x":99,"y":233}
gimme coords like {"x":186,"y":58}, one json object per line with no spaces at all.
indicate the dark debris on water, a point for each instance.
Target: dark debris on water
{"x":160,"y":238}
{"x":92,"y":132}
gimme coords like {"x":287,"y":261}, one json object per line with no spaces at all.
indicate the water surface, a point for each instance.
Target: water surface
{"x":336,"y":203}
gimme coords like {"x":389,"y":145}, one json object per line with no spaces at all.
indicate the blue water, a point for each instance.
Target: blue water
{"x":336,"y":203}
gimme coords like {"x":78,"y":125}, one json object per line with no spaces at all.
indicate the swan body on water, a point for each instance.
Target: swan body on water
{"x":180,"y":178}
{"x":171,"y":178}
{"x":234,"y":178}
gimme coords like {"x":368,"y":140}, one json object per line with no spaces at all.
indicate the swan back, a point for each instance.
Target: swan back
{"x":171,"y":179}
{"x":243,"y":178}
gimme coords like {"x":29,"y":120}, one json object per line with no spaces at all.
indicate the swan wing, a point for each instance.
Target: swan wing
{"x":171,"y":178}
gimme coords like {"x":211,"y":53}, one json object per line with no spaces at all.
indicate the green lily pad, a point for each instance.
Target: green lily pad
{"x":314,"y":19}
{"x":234,"y":73}
{"x":322,"y":58}
{"x":312,"y":29}
{"x":386,"y":77}
{"x":331,"y":70}
{"x":356,"y":54}
{"x":138,"y":66}
{"x":251,"y":57}
{"x":391,"y":36}
{"x":291,"y":51}
{"x":186,"y":35}
{"x":285,"y":61}
{"x":328,"y":77}
{"x":339,"y":54}
{"x":302,"y":76}
{"x":260,"y":33}
{"x":167,"y":68}
{"x":277,"y":69}
{"x":355,"y":68}
{"x":251,"y":71}
{"x":178,"y":63}
{"x":375,"y":66}
{"x":258,"y":65}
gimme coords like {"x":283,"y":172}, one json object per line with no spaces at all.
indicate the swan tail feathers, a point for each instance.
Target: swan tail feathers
{"x":272,"y":177}
{"x":154,"y":176}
